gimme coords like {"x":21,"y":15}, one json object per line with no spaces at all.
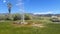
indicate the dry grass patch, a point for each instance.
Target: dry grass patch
{"x":28,"y":25}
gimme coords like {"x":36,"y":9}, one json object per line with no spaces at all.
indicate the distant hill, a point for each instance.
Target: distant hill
{"x":3,"y":13}
{"x":44,"y":15}
{"x":47,"y":15}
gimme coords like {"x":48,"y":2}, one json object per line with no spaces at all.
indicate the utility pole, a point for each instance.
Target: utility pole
{"x":9,"y":5}
{"x":21,"y":8}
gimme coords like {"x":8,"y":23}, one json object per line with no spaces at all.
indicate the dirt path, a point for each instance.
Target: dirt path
{"x":29,"y":25}
{"x":38,"y":25}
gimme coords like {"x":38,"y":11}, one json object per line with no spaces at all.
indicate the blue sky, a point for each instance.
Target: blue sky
{"x":32,"y":6}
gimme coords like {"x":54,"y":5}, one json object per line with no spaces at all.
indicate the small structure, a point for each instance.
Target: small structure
{"x":55,"y":19}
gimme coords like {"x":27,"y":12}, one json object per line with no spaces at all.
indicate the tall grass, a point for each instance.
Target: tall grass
{"x":51,"y":28}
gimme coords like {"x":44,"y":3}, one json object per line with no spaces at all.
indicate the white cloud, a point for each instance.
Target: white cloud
{"x":19,"y":0}
{"x":4,"y":1}
{"x":49,"y":12}
{"x":19,"y":4}
{"x":28,"y":0}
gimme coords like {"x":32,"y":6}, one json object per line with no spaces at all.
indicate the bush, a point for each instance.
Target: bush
{"x":2,"y":17}
{"x":28,"y":17}
{"x":16,"y":17}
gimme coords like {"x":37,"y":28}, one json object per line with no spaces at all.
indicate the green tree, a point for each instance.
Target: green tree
{"x":17,"y":17}
{"x":28,"y":17}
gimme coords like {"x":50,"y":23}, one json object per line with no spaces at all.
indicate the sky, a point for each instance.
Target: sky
{"x":31,"y":6}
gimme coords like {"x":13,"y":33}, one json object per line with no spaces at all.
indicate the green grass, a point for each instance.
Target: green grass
{"x":7,"y":28}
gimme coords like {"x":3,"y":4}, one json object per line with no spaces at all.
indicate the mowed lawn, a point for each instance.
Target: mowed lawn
{"x":8,"y":28}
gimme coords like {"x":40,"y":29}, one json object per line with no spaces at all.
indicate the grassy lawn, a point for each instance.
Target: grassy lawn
{"x":7,"y":28}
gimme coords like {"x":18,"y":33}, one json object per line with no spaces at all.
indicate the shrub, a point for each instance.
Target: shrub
{"x":16,"y":17}
{"x":28,"y":17}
